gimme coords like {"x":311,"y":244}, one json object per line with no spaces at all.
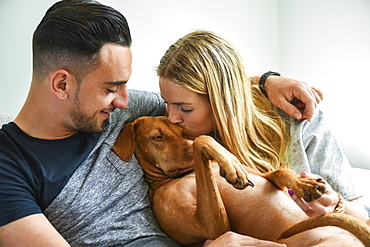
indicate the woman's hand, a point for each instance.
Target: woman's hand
{"x":234,"y":239}
{"x":296,"y":98}
{"x":324,"y":205}
{"x":328,"y":202}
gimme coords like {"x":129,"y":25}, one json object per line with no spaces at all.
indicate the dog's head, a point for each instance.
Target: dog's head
{"x":160,"y":147}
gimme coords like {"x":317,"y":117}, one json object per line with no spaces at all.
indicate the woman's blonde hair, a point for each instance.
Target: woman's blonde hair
{"x":248,"y":126}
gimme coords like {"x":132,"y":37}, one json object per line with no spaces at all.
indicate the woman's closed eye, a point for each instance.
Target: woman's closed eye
{"x":186,"y":110}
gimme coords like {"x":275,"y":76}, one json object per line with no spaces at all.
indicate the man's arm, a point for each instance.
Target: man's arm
{"x":282,"y":91}
{"x":34,"y":230}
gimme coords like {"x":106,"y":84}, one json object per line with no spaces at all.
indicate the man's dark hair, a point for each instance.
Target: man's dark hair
{"x":71,"y":34}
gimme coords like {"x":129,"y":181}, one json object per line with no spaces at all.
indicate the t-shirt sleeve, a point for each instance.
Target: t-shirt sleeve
{"x":17,"y":198}
{"x":140,"y":104}
{"x":143,"y":103}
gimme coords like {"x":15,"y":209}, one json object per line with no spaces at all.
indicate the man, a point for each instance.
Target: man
{"x":60,"y":183}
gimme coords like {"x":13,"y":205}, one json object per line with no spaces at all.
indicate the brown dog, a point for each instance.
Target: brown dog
{"x":192,"y":202}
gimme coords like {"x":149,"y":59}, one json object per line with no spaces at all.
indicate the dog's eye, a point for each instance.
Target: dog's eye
{"x":158,"y":138}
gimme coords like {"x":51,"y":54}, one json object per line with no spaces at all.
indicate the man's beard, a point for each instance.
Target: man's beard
{"x":84,"y":122}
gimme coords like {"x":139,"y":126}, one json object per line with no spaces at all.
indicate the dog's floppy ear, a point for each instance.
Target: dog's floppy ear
{"x":124,"y":145}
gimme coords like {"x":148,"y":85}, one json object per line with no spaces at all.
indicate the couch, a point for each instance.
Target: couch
{"x":361,"y":176}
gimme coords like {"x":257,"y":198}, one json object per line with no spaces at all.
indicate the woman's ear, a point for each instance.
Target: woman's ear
{"x":61,"y":83}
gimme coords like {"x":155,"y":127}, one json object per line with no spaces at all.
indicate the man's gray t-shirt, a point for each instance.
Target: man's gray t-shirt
{"x":105,"y":202}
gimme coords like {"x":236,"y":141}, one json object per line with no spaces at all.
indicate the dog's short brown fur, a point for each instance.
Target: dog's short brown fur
{"x":192,"y":202}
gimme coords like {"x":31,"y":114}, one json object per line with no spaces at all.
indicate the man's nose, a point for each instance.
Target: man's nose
{"x":121,"y":99}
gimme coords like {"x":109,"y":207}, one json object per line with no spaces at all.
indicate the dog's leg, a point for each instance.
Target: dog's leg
{"x":230,"y":167}
{"x":307,"y":188}
{"x":197,"y":207}
{"x":210,"y":210}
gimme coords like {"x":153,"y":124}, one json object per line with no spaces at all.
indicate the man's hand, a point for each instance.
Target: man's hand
{"x":296,"y":98}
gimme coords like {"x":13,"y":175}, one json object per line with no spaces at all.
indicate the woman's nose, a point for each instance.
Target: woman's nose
{"x":173,"y":116}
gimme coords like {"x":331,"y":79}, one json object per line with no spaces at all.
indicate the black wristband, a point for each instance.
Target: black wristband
{"x":262,"y":81}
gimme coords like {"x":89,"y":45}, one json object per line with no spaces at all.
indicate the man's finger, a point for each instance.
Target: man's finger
{"x":318,"y":93}
{"x":287,"y":107}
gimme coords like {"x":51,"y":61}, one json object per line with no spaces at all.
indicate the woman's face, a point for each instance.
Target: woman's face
{"x":187,"y":109}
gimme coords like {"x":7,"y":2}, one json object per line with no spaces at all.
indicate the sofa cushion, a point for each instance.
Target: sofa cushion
{"x":6,"y":118}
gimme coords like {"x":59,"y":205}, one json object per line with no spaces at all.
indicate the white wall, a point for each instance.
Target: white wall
{"x":15,"y":50}
{"x":327,"y":43}
{"x":252,"y":26}
{"x":155,"y":25}
{"x":323,"y":42}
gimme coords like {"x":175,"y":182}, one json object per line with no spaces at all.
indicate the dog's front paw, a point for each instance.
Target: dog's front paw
{"x":310,"y":189}
{"x":237,"y":179}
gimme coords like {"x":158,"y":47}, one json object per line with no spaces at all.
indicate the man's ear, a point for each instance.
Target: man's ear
{"x":61,"y":82}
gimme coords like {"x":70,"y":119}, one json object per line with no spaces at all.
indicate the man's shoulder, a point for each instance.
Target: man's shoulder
{"x":141,"y":103}
{"x":139,"y":96}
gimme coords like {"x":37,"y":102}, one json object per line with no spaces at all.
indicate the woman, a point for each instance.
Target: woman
{"x":203,"y":81}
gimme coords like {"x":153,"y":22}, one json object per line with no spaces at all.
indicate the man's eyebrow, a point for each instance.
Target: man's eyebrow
{"x":115,"y":83}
